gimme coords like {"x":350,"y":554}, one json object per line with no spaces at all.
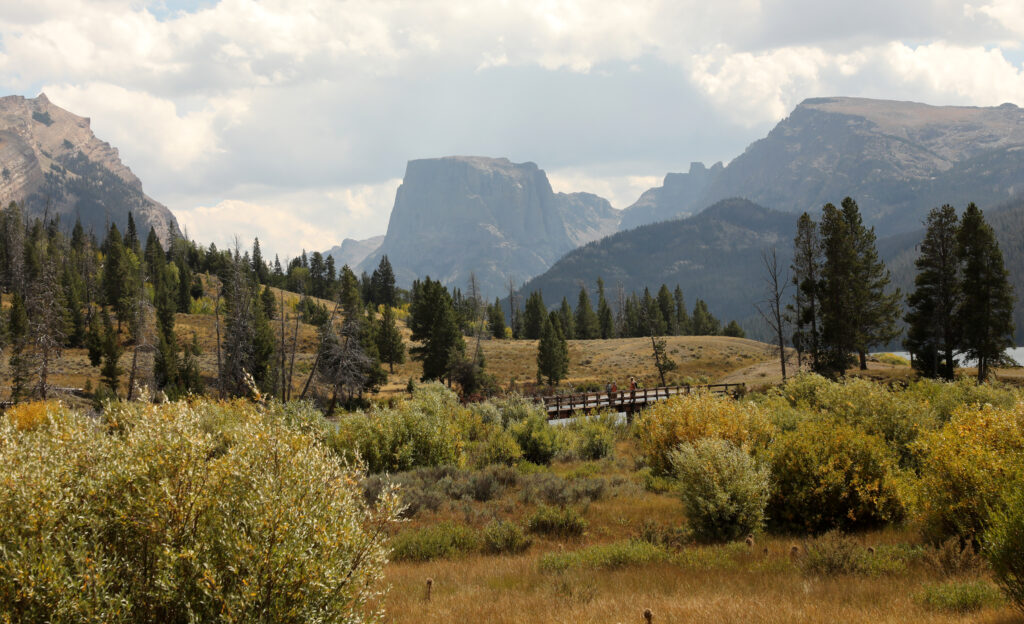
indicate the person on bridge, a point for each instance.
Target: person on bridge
{"x":632,"y":384}
{"x":613,"y":390}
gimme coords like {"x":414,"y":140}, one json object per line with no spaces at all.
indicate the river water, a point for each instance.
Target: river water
{"x":1017,"y":353}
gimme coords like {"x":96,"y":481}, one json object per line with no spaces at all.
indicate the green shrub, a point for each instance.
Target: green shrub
{"x":604,"y":556}
{"x":556,"y":521}
{"x":502,"y":536}
{"x":595,"y":439}
{"x":667,"y":424}
{"x":421,"y":431}
{"x":183,"y":512}
{"x":438,"y":541}
{"x":953,"y":558}
{"x":723,"y":489}
{"x":1004,"y":547}
{"x":537,"y":439}
{"x":965,"y":469}
{"x":828,"y":475}
{"x":960,"y":597}
{"x":554,"y":490}
{"x":500,"y":448}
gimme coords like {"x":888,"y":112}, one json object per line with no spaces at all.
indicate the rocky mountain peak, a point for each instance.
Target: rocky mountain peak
{"x":50,"y":157}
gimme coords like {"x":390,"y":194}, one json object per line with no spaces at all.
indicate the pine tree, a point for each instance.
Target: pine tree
{"x":587,"y":327}
{"x":933,"y":329}
{"x":389,"y":340}
{"x":534,"y":315}
{"x":805,"y":311}
{"x":131,"y":236}
{"x":653,"y":321}
{"x":18,"y":337}
{"x":258,"y":264}
{"x":111,"y":370}
{"x":552,"y":352}
{"x":433,"y":324}
{"x":666,"y":305}
{"x":382,"y":283}
{"x":496,"y":320}
{"x":704,"y":323}
{"x":986,"y":310}
{"x":684,"y":323}
{"x":734,"y":330}
{"x":604,"y":313}
{"x":349,"y":294}
{"x":838,"y":301}
{"x":566,"y":319}
{"x":875,"y":310}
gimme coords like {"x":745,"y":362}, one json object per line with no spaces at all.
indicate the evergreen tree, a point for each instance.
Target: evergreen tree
{"x":349,"y":294}
{"x":552,"y":351}
{"x":684,"y":324}
{"x":154,"y":255}
{"x":604,"y":313}
{"x":111,"y":370}
{"x":534,"y":315}
{"x":389,"y":340}
{"x":587,"y":327}
{"x":12,"y":260}
{"x":875,"y":310}
{"x":112,"y":283}
{"x":704,"y":323}
{"x":986,"y":310}
{"x":131,"y":237}
{"x":496,"y":320}
{"x":268,"y":303}
{"x":839,"y":322}
{"x":662,"y":360}
{"x":653,"y":321}
{"x":259,"y":265}
{"x":734,"y":330}
{"x":566,"y":320}
{"x":806,"y":268}
{"x":667,"y":307}
{"x":382,"y":283}
{"x":433,"y":324}
{"x":18,"y":338}
{"x":933,"y":329}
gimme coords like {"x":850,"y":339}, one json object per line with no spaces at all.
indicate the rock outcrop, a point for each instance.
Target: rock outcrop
{"x":352,"y":251}
{"x":51,"y":161}
{"x":897,"y":159}
{"x":488,"y":216}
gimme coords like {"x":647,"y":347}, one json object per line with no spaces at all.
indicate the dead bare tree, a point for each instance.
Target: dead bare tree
{"x":45,"y":323}
{"x":771,"y":308}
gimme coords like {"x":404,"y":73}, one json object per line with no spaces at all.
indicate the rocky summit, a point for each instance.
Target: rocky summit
{"x":488,"y":216}
{"x":52,"y":163}
{"x":897,"y":159}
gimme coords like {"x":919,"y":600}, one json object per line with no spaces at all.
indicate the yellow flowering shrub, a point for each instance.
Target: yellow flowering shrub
{"x":666,"y":424}
{"x":25,"y":416}
{"x":966,"y":467}
{"x":185,"y":512}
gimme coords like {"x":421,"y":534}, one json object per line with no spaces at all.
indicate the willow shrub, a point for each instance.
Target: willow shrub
{"x":667,"y":424}
{"x":185,"y":513}
{"x":425,"y":430}
{"x":966,"y":467}
{"x":723,"y":489}
{"x":1004,"y":545}
{"x":830,"y":475}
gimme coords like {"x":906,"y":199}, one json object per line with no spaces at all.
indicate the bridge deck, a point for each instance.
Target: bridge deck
{"x":563,"y":406}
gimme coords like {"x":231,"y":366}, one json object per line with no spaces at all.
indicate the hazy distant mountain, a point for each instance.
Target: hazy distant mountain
{"x":497,"y":219}
{"x":51,"y":160}
{"x":714,"y":256}
{"x":352,"y":251}
{"x":897,"y":159}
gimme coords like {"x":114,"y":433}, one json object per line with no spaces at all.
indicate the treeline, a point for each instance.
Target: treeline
{"x":71,"y":291}
{"x":843,"y":305}
{"x":635,"y":316}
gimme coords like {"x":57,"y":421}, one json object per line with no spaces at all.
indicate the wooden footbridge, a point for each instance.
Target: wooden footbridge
{"x":628,"y":401}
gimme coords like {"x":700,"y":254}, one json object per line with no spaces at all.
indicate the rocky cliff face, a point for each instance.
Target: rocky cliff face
{"x":497,"y":219}
{"x":679,"y":195}
{"x":897,"y":159}
{"x":51,"y":160}
{"x":352,"y":251}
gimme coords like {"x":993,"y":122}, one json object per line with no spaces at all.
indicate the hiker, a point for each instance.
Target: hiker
{"x":632,"y":384}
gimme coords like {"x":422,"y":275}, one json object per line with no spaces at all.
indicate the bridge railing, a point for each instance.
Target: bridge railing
{"x":628,"y":399}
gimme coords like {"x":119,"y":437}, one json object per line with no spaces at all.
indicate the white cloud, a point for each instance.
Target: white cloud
{"x":287,"y":222}
{"x":139,"y":123}
{"x":968,"y":75}
{"x":620,"y":190}
{"x":1009,"y":13}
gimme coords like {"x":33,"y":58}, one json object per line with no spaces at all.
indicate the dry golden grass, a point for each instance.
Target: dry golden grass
{"x":755,"y":587}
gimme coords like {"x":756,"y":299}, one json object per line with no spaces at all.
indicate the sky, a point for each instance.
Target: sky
{"x":293,"y":120}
